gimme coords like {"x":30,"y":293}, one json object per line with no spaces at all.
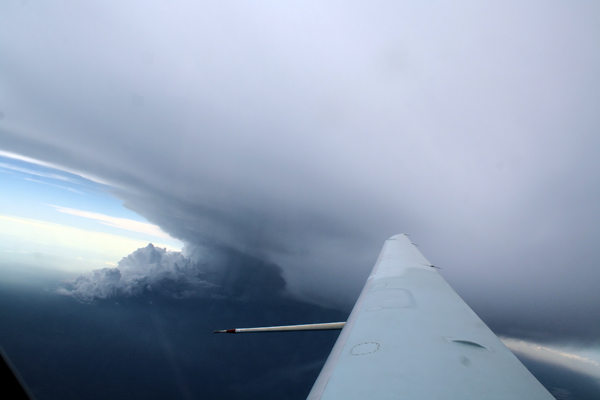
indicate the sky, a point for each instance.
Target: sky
{"x":298,"y":136}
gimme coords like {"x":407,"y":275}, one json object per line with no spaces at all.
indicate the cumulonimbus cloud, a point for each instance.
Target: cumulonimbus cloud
{"x":306,"y":141}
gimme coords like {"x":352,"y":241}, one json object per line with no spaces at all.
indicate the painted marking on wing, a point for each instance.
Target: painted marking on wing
{"x":364,"y":348}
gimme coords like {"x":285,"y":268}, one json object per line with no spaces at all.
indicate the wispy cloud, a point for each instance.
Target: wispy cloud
{"x":43,"y":233}
{"x":20,"y":157}
{"x":36,"y":161}
{"x":58,"y":186}
{"x":116,"y":222}
{"x":36,"y":173}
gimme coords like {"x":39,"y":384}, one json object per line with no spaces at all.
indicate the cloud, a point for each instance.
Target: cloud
{"x":115,"y":222}
{"x":154,"y":270}
{"x":51,"y":167}
{"x":148,"y":269}
{"x":26,"y":235}
{"x":303,"y":135}
{"x":36,"y":173}
{"x":564,"y":358}
{"x":58,"y":186}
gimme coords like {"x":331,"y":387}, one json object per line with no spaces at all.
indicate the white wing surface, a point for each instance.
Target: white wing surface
{"x":410,"y":336}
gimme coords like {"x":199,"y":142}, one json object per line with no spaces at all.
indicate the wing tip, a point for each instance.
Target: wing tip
{"x":396,"y":236}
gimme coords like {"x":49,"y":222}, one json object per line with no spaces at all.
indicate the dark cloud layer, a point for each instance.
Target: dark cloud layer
{"x":562,"y":383}
{"x":304,"y":135}
{"x":153,"y":346}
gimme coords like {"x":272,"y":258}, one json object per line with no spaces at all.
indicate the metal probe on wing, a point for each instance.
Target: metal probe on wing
{"x":308,"y":327}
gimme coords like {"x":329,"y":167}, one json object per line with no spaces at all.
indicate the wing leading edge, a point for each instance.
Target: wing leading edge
{"x":411,"y":336}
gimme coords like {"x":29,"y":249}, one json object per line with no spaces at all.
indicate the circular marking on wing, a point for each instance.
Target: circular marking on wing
{"x":364,"y":348}
{"x":375,"y":308}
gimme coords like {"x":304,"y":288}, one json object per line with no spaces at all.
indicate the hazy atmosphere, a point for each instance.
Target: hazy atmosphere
{"x":277,"y":145}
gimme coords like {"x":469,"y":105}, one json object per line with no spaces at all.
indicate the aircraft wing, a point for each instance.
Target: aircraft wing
{"x":410,"y":336}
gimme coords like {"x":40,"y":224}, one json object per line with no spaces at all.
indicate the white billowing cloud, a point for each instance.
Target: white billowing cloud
{"x":152,"y":269}
{"x":100,"y":283}
{"x":148,"y":269}
{"x":116,"y":222}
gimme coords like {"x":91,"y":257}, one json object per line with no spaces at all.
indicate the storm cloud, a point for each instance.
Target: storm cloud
{"x":303,"y":134}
